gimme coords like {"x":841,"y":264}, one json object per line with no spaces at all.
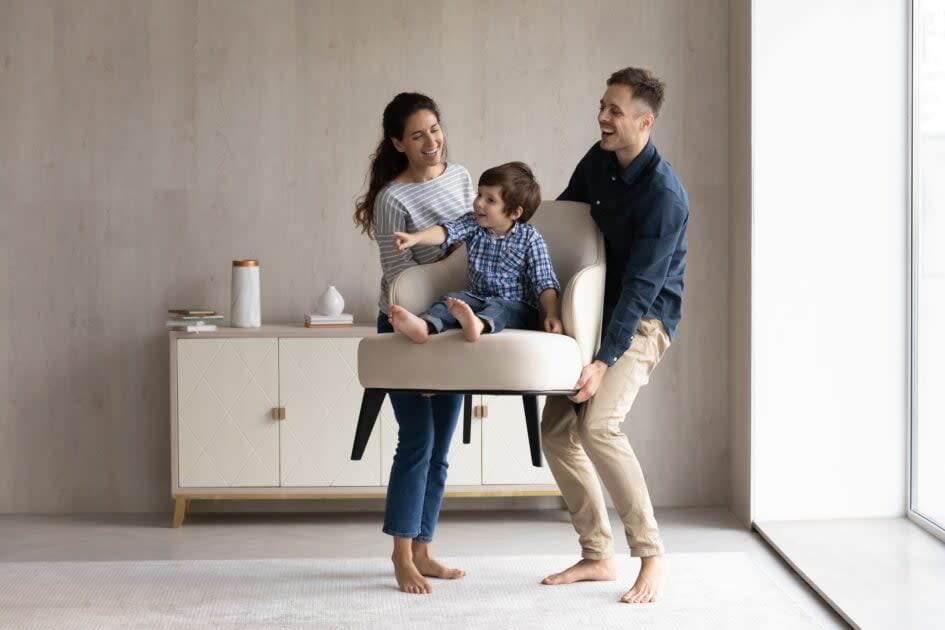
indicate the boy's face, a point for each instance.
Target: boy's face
{"x":490,"y":209}
{"x":624,"y":123}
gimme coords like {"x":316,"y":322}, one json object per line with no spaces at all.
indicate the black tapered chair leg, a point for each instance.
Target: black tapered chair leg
{"x":371,"y":403}
{"x":467,"y":419}
{"x":532,"y":425}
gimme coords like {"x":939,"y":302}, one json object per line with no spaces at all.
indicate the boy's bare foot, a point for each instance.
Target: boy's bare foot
{"x":408,"y":324}
{"x":649,"y":585}
{"x":472,"y":325}
{"x":409,"y":579}
{"x":429,"y":567}
{"x":585,"y":571}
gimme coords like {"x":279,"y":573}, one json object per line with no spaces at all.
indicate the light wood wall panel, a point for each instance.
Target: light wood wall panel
{"x":144,"y":145}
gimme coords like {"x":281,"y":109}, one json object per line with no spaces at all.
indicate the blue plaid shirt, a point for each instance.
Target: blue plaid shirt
{"x":514,"y":266}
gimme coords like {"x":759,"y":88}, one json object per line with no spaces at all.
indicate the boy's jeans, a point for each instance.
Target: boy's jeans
{"x":418,"y":474}
{"x":498,"y":313}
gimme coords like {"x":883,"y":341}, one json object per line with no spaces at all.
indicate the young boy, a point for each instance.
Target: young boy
{"x":509,"y":273}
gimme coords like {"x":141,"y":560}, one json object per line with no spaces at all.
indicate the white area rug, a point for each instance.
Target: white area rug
{"x":714,"y":590}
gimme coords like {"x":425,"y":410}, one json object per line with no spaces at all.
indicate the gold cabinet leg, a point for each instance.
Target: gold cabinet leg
{"x":180,"y":510}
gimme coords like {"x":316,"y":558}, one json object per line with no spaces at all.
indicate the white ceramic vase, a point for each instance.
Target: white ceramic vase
{"x":331,"y":302}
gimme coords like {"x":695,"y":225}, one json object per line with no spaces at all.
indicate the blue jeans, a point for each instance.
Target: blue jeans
{"x":418,"y":474}
{"x":497,"y":313}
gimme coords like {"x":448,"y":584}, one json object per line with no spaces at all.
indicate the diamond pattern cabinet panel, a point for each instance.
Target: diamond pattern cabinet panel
{"x":319,"y":388}
{"x":465,"y":460}
{"x":226,"y":391}
{"x":505,"y":455}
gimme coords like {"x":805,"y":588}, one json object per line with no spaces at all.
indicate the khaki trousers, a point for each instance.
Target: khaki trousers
{"x":576,"y":444}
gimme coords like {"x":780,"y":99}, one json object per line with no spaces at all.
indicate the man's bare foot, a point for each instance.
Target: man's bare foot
{"x":649,"y":585}
{"x":431,"y":568}
{"x":472,"y":325}
{"x":585,"y":571}
{"x":409,"y":579}
{"x":408,"y":324}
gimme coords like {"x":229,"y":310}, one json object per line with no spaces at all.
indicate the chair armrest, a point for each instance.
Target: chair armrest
{"x":418,"y":287}
{"x":582,"y":309}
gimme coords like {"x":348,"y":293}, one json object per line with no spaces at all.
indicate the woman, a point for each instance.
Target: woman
{"x":413,"y":187}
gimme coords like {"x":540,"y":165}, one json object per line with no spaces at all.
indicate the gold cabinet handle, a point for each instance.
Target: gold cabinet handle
{"x":485,"y":411}
{"x":278,"y":413}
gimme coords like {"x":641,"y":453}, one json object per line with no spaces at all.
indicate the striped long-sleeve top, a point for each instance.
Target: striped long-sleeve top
{"x":411,"y":207}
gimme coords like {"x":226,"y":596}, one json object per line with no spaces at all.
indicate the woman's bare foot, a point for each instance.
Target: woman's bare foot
{"x":649,"y":585}
{"x":409,"y":579}
{"x":408,"y":324}
{"x":585,"y":571}
{"x":472,"y":325}
{"x":430,"y":567}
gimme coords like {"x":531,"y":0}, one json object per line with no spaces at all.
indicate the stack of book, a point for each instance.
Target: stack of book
{"x":315,"y":320}
{"x":193,"y":319}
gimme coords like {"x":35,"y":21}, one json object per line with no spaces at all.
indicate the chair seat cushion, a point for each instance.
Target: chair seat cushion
{"x":513,"y":360}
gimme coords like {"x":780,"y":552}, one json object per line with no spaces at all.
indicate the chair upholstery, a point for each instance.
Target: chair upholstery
{"x":576,"y":248}
{"x":513,"y":361}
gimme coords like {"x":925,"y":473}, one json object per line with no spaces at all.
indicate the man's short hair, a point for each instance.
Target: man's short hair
{"x":518,"y":185}
{"x":644,"y":85}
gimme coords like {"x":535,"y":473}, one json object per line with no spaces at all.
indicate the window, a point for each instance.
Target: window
{"x":927,"y":501}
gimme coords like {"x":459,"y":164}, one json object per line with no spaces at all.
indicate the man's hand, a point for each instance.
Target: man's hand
{"x":553,"y":325}
{"x":403,"y":240}
{"x":591,"y":376}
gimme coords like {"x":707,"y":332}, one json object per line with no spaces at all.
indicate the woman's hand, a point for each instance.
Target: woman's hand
{"x":554,"y":325}
{"x":403,"y":240}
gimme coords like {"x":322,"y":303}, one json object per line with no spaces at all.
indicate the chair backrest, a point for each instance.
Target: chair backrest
{"x":573,"y":242}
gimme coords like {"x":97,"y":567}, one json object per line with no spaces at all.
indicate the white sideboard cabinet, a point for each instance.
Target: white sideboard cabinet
{"x":270,"y":413}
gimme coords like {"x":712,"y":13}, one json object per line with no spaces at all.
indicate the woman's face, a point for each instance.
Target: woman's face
{"x":423,"y":140}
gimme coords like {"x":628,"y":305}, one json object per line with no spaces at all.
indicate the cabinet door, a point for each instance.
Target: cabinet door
{"x":465,"y":459}
{"x":226,"y":389}
{"x":319,"y":388}
{"x":506,"y":458}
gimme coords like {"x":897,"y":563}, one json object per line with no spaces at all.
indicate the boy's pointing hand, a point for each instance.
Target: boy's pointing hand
{"x":403,"y":240}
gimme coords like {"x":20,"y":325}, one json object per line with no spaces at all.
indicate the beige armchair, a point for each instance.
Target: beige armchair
{"x":525,"y":363}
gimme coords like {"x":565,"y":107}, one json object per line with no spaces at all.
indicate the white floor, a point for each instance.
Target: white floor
{"x":882,"y":573}
{"x":357,"y":535}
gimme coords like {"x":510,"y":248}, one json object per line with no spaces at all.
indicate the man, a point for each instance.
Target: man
{"x":642,"y":209}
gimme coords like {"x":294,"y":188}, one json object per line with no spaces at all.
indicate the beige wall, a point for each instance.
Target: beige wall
{"x":143,"y":145}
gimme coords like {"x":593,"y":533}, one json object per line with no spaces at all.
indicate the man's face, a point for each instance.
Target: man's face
{"x":624,"y":122}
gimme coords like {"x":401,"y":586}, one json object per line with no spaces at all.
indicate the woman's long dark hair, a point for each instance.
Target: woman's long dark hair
{"x":387,"y":162}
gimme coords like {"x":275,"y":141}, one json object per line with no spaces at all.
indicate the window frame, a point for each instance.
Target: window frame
{"x":912,"y":99}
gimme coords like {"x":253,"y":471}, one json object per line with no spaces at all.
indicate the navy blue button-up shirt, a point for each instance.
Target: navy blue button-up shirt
{"x":643,"y":212}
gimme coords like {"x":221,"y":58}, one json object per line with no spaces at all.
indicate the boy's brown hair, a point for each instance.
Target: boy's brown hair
{"x":519,"y":187}
{"x":644,"y":84}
